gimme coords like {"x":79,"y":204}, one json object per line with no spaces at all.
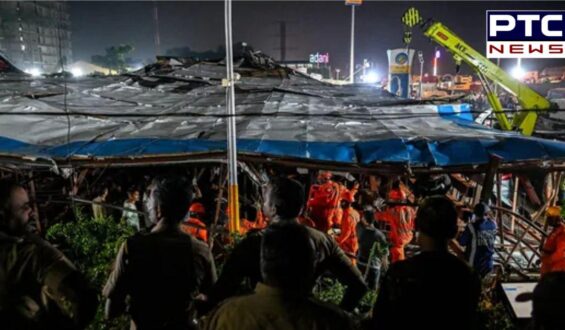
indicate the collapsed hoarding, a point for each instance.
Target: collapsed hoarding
{"x":175,"y":111}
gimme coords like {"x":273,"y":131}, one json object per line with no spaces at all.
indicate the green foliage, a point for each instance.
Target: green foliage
{"x":92,"y":245}
{"x":115,"y":57}
{"x":330,"y":290}
{"x":492,"y":313}
{"x":494,"y":316}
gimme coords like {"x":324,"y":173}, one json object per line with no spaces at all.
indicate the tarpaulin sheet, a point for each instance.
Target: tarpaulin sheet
{"x":288,"y":116}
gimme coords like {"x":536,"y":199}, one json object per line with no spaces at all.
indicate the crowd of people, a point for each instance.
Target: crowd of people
{"x":165,"y":276}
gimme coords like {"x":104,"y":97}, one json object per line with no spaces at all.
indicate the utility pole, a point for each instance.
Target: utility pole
{"x":436,"y":60}
{"x":157,"y":36}
{"x":283,"y":35}
{"x":352,"y":48}
{"x":229,"y":82}
{"x":421,"y":59}
{"x":353,"y":4}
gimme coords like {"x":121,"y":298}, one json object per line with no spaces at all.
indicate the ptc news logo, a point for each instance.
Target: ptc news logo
{"x":525,"y":34}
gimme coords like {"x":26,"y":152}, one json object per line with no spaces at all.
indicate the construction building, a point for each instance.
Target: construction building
{"x":35,"y":35}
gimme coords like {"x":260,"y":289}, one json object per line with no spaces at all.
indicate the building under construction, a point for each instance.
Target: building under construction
{"x":35,"y":35}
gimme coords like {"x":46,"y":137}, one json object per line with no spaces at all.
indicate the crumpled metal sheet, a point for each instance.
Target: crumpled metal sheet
{"x":291,"y":117}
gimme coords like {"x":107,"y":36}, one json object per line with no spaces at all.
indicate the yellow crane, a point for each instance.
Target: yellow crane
{"x":530,"y":101}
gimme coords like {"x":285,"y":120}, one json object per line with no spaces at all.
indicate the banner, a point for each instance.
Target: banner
{"x":399,"y":68}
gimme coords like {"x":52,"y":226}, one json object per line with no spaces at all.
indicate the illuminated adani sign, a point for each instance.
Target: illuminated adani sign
{"x":320,"y":58}
{"x":526,"y":34}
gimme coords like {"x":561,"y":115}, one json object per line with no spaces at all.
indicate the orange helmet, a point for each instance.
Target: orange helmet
{"x":325,"y":175}
{"x":396,"y":194}
{"x":553,"y":211}
{"x":348,"y":196}
{"x":197,"y":208}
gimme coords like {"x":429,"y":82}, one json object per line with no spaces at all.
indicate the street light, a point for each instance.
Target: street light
{"x":34,"y":72}
{"x":77,"y":72}
{"x":518,"y":73}
{"x":436,"y":59}
{"x":421,"y":59}
{"x":353,"y":4}
{"x":370,"y":77}
{"x":228,"y":82}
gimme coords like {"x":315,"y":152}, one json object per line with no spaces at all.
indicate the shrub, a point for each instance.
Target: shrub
{"x":92,"y":245}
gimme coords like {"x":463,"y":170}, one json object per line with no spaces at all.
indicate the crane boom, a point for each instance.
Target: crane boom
{"x":524,"y":121}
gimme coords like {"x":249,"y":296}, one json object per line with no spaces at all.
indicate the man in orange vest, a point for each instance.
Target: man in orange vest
{"x":553,"y":251}
{"x":401,"y":224}
{"x":323,"y":201}
{"x":250,"y":219}
{"x":194,"y":225}
{"x":347,"y":238}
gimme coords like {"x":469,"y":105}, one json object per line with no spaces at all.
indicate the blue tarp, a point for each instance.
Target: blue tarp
{"x":290,"y":117}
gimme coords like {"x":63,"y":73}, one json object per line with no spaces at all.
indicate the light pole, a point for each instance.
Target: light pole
{"x":421,"y":59}
{"x":353,"y":4}
{"x":352,"y":49}
{"x":157,"y":35}
{"x":229,"y":82}
{"x":436,"y":59}
{"x":365,"y":66}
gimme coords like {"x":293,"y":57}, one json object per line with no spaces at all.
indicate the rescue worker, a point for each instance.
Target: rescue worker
{"x":323,"y":201}
{"x":553,"y":251}
{"x":430,"y":185}
{"x":401,"y":224}
{"x":194,"y":225}
{"x":39,"y":287}
{"x":347,"y":238}
{"x":250,"y":219}
{"x":478,"y":239}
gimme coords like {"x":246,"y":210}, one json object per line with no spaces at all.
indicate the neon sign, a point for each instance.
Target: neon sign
{"x":320,"y":58}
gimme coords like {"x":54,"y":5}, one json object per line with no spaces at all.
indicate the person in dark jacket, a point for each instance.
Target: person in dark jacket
{"x":284,"y":299}
{"x":284,"y":200}
{"x":39,"y":287}
{"x":161,"y":272}
{"x":434,"y":289}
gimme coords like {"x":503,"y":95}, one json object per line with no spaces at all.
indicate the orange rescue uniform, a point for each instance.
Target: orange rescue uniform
{"x":401,"y":219}
{"x":245,"y":225}
{"x":323,"y":201}
{"x":347,"y":239}
{"x":553,"y":257}
{"x":196,"y":228}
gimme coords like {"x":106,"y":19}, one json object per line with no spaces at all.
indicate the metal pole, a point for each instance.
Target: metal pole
{"x":233,"y":193}
{"x":352,"y":50}
{"x":495,"y":89}
{"x":514,"y":202}
{"x":157,"y":35}
{"x":421,"y":59}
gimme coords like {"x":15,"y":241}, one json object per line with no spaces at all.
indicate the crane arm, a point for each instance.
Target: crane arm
{"x":524,"y":121}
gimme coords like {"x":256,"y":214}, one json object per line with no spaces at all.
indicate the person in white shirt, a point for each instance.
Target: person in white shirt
{"x":132,"y":218}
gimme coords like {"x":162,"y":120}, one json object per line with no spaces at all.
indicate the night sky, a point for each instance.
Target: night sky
{"x":312,"y":26}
